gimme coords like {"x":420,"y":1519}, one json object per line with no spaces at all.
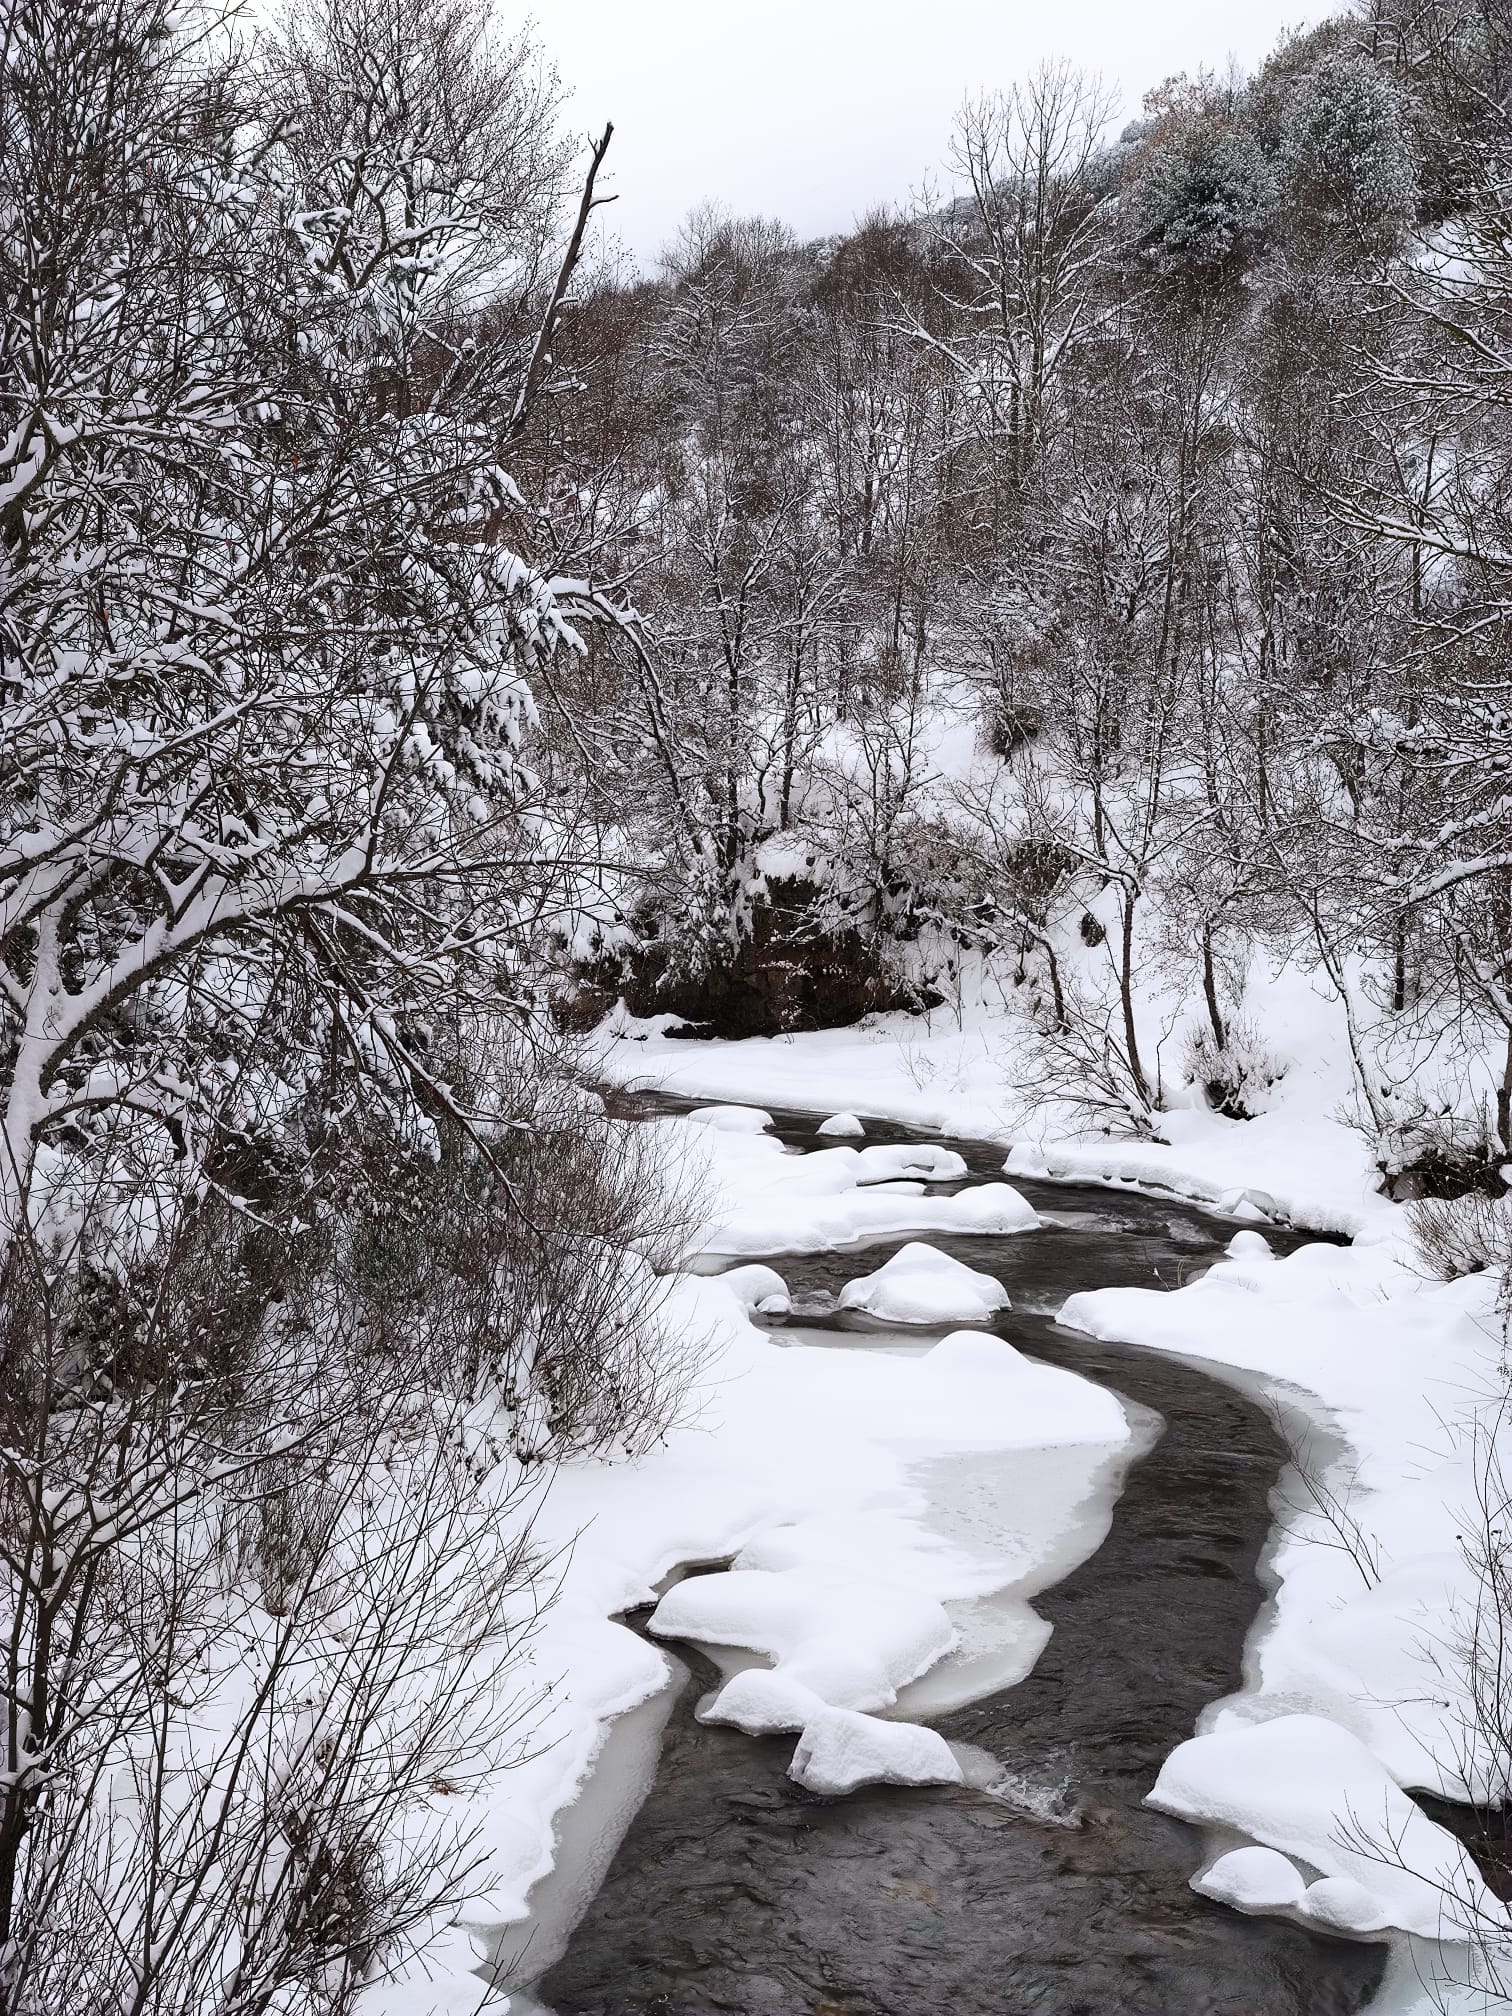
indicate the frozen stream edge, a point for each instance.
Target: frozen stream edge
{"x":1416,"y":1969}
{"x":1002,"y":1637}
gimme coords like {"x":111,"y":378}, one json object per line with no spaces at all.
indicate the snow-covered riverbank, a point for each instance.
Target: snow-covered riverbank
{"x":1388,"y":1382}
{"x":803,"y":1470}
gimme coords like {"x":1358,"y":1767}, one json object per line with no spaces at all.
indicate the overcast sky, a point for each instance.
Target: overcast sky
{"x":813,"y":110}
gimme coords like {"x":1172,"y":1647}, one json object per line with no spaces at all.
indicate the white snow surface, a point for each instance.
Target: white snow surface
{"x":841,"y":1750}
{"x":963,"y":1073}
{"x":810,"y":1462}
{"x":843,"y":1126}
{"x":1288,"y":1783}
{"x":766,"y":1199}
{"x":919,"y":1284}
{"x":1378,"y":1370}
{"x":1253,"y":1879}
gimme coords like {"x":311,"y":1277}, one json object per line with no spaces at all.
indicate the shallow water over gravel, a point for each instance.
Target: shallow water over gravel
{"x":735,"y":1890}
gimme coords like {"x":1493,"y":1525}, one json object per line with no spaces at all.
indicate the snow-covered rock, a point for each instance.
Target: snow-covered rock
{"x":976,"y":1353}
{"x":911,"y":1158}
{"x":731,"y":1119}
{"x":759,"y":1289}
{"x":846,"y":1126}
{"x":1305,"y":1786}
{"x":1344,"y":1905}
{"x":920,"y":1284}
{"x":993,"y":1207}
{"x":762,"y":1702}
{"x":1257,"y":1204}
{"x":1249,"y":1246}
{"x":840,"y":1750}
{"x":1252,"y":1879}
{"x":850,"y":1639}
{"x":767,"y":1199}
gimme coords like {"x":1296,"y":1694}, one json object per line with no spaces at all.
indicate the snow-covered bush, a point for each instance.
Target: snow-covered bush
{"x":529,"y":1268}
{"x":1346,"y":148}
{"x":257,"y":1609}
{"x":1202,"y":196}
{"x":800,"y":938}
{"x":1235,"y":1076}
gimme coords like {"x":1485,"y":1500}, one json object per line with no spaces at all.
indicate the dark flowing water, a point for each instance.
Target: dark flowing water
{"x":735,"y":1890}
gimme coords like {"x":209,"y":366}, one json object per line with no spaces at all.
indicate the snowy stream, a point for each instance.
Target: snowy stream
{"x":693,"y":1875}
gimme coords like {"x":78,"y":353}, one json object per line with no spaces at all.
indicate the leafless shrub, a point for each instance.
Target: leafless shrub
{"x":1083,"y":1065}
{"x":1237,"y":1074}
{"x":1456,"y":1236}
{"x":1468,"y":1674}
{"x":610,"y":1362}
{"x":530,"y":1262}
{"x":1012,"y":724}
{"x":1333,"y":1500}
{"x":283,"y":1525}
{"x":251,"y":1621}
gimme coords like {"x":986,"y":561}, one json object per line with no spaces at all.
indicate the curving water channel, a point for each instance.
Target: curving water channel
{"x":1055,"y":1891}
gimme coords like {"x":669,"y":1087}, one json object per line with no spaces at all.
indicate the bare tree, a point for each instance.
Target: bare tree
{"x":1023,"y":249}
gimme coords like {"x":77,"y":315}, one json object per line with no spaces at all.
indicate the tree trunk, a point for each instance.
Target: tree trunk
{"x":1126,"y":997}
{"x":1210,"y":989}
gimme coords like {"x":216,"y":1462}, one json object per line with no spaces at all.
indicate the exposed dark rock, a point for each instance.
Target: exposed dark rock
{"x":799,"y":965}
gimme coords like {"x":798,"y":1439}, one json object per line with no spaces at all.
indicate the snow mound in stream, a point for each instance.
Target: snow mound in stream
{"x":1303,"y":1785}
{"x":993,"y":1207}
{"x":842,"y":1125}
{"x":760,"y":1290}
{"x":731,"y":1119}
{"x":1252,"y":1879}
{"x":767,"y":1199}
{"x":1343,"y":1905}
{"x":1258,"y":1880}
{"x":920,"y":1284}
{"x":851,"y":1642}
{"x":840,"y":1750}
{"x":927,"y":1159}
{"x":1249,"y":1246}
